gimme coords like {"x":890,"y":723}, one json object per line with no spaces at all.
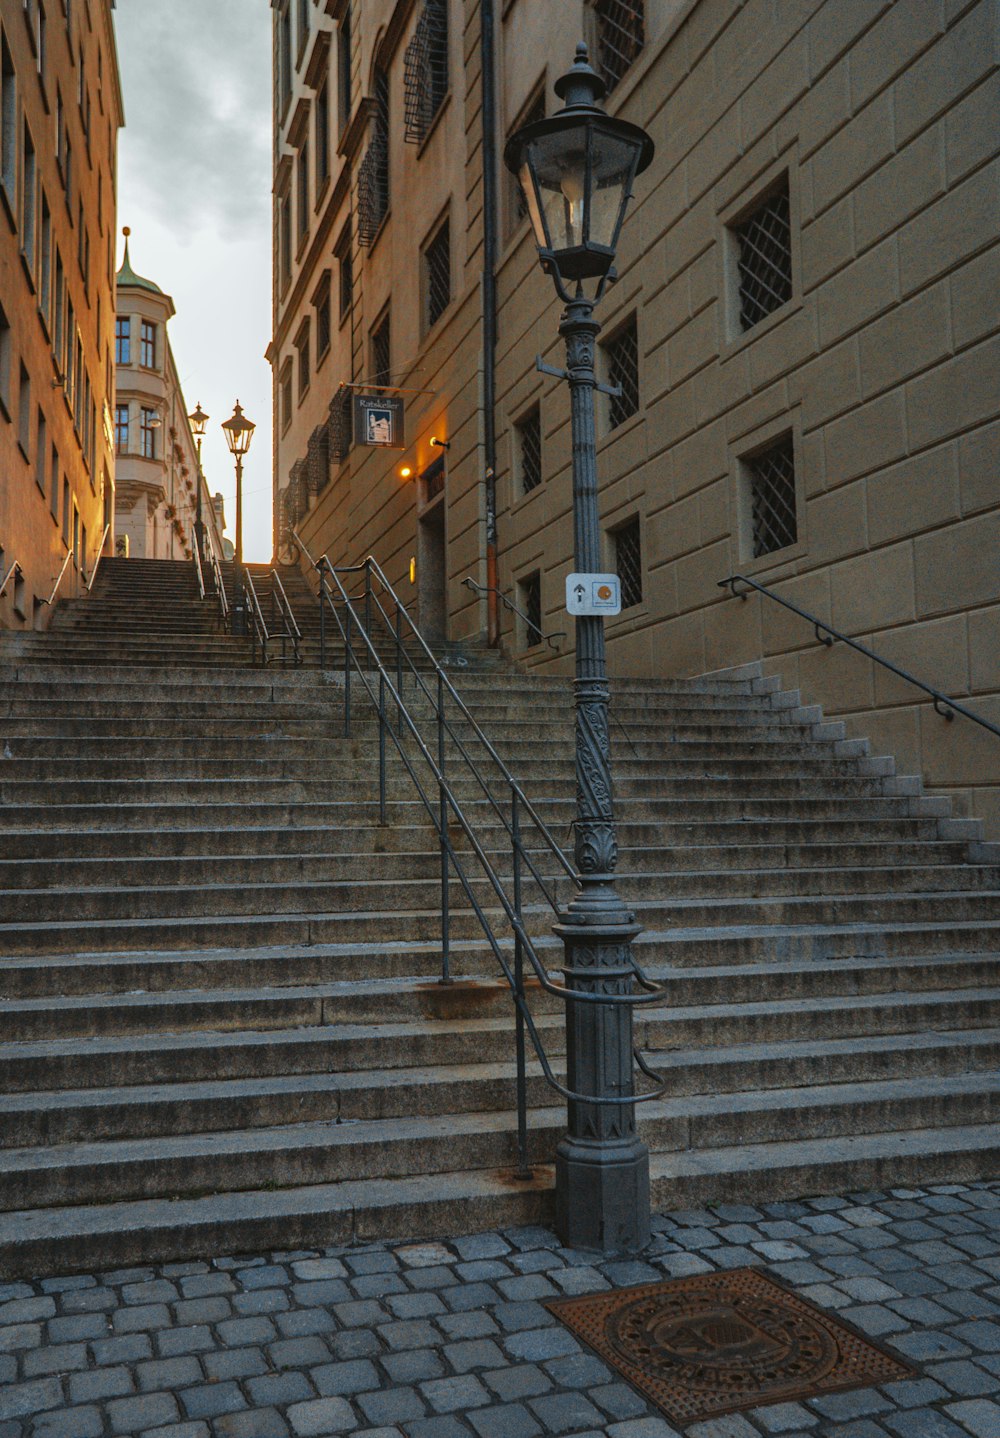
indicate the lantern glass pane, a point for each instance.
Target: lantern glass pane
{"x":531,"y":200}
{"x":559,"y":162}
{"x":613,"y":163}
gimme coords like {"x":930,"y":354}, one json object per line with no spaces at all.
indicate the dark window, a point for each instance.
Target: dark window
{"x":341,"y":418}
{"x":345,"y":263}
{"x":284,"y":56}
{"x":303,"y":189}
{"x":432,"y":481}
{"x":344,"y":69}
{"x":5,"y":353}
{"x":373,"y":172}
{"x":425,"y":70}
{"x":285,"y":238}
{"x":8,"y":121}
{"x":65,"y":511}
{"x":54,"y":490}
{"x":322,"y":135}
{"x":628,"y":562}
{"x":147,"y":433}
{"x":530,"y":595}
{"x":765,"y":258}
{"x":41,"y":451}
{"x":621,"y":34}
{"x":123,"y":340}
{"x":517,"y":205}
{"x":773,"y":519}
{"x":529,"y":450}
{"x":437,"y":276}
{"x":121,"y":428}
{"x":286,"y":395}
{"x":622,"y":354}
{"x":24,"y":411}
{"x":147,"y":345}
{"x":29,"y":200}
{"x":303,"y":22}
{"x":302,"y":345}
{"x":381,"y":353}
{"x":323,"y":320}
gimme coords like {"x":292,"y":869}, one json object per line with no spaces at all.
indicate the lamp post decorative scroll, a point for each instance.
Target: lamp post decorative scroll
{"x":576,"y":169}
{"x":239,"y":432}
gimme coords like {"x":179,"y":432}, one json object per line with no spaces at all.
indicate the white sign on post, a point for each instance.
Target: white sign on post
{"x":593,"y":594}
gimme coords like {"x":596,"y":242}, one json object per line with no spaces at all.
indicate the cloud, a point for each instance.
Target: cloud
{"x":197,"y":86}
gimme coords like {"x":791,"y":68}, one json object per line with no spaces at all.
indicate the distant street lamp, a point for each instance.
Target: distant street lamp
{"x":239,"y":432}
{"x":198,"y":421}
{"x":576,"y":169}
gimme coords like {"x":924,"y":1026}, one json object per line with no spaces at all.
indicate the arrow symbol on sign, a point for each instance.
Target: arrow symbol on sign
{"x":580,"y":591}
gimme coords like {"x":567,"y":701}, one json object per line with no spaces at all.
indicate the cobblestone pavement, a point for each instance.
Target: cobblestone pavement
{"x":447,"y":1340}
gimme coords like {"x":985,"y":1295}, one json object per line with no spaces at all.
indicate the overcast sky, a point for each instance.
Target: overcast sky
{"x":194,"y":185}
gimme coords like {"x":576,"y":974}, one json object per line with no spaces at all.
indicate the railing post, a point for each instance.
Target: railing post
{"x":523,"y":1168}
{"x":322,"y":620}
{"x":399,"y":662}
{"x":381,"y":747}
{"x":368,"y":609}
{"x":347,"y":673}
{"x":445,"y":869}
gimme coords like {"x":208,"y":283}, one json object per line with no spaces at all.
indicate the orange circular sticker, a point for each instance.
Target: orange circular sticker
{"x":603,"y":591}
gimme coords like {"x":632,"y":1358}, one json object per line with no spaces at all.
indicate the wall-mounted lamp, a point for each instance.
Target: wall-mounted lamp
{"x":440,"y":444}
{"x":413,"y":570}
{"x":405,"y":472}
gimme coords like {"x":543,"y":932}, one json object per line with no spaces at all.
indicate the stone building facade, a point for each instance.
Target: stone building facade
{"x":60,"y":113}
{"x":805,"y":329}
{"x":158,"y":473}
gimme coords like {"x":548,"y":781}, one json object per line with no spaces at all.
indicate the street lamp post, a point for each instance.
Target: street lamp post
{"x":576,"y":169}
{"x":239,"y":432}
{"x":198,"y":421}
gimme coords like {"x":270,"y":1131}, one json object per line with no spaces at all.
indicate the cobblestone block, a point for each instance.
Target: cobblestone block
{"x":537,"y":1344}
{"x":681,"y":1265}
{"x":86,"y":1300}
{"x":212,"y":1399}
{"x":513,"y":1317}
{"x":578,"y":1370}
{"x":70,"y":1423}
{"x":321,"y":1417}
{"x":27,"y":1310}
{"x":203,"y":1310}
{"x":303,"y":1322}
{"x":583,"y":1279}
{"x":376,"y":1285}
{"x":476,"y":1353}
{"x":174,"y":1341}
{"x":455,"y":1395}
{"x":334,"y":1380}
{"x":481,"y":1245}
{"x":19,"y":1336}
{"x":475,"y":1324}
{"x":327,"y":1291}
{"x":179,"y":1430}
{"x":409,"y":1334}
{"x":206,"y":1285}
{"x":861,"y":1403}
{"x":135,"y":1415}
{"x":472,"y":1295}
{"x":529,"y":1285}
{"x":22,"y":1399}
{"x":512,"y":1420}
{"x":299,"y":1352}
{"x":431,"y":1278}
{"x":541,"y":1260}
{"x":261,"y":1300}
{"x":914,"y":1392}
{"x":77,"y":1328}
{"x":442,"y":1425}
{"x":168,"y":1374}
{"x":375,"y":1261}
{"x":617,"y":1400}
{"x":979,"y":1416}
{"x":129,"y":1348}
{"x":524,"y":1380}
{"x":277,"y":1389}
{"x":258,"y":1423}
{"x":144,"y":1318}
{"x":564,"y":1412}
{"x":876,"y":1320}
{"x":965,"y":1380}
{"x":924,"y":1347}
{"x":923,"y":1423}
{"x":156,"y":1290}
{"x":414,"y":1305}
{"x":319,"y":1269}
{"x":235,"y":1363}
{"x":268,"y":1275}
{"x":393,"y":1405}
{"x":784,"y":1418}
{"x":413,"y":1365}
{"x":358,"y":1343}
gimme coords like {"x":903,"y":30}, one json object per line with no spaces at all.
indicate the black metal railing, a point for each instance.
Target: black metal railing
{"x":369,"y":620}
{"x":508,"y":603}
{"x":256,"y":624}
{"x":826,"y":634}
{"x":199,"y":572}
{"x":218,"y":582}
{"x":285,"y":624}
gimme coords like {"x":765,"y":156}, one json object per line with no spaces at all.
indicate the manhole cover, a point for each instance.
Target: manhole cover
{"x":720,"y":1342}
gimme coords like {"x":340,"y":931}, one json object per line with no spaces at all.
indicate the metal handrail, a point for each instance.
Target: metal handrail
{"x":826,"y":634}
{"x":258,"y":628}
{"x":508,"y":603}
{"x":199,"y":575}
{"x":446,"y":805}
{"x":218,"y":580}
{"x":65,"y":565}
{"x":281,"y":609}
{"x":15,"y":568}
{"x":89,"y":584}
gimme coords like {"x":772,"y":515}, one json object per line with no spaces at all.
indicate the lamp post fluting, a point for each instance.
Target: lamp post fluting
{"x":198,"y":421}
{"x":576,"y":169}
{"x":239,"y":432}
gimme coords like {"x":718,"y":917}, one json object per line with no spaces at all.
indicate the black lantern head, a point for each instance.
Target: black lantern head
{"x":239,"y":431}
{"x":576,"y":169}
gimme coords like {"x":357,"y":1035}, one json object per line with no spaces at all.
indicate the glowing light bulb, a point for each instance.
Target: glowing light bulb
{"x":572,"y":189}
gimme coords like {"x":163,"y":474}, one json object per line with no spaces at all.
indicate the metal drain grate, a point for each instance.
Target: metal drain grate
{"x":721,"y":1342}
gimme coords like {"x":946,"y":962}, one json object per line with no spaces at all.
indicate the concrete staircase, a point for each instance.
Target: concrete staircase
{"x":220,"y":1020}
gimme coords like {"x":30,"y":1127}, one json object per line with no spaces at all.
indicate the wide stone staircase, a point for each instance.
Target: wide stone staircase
{"x":222,"y":1024}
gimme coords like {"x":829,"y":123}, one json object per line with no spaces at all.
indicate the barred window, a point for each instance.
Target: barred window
{"x":323,"y":319}
{"x":628,"y":561}
{"x":341,"y":413}
{"x":621,"y":34}
{"x":381,"y":352}
{"x":765,"y":258}
{"x":622,"y":357}
{"x":123,"y":340}
{"x":771,"y":478}
{"x":425,"y":71}
{"x":345,"y":263}
{"x":529,"y":591}
{"x":517,"y":206}
{"x":529,"y":450}
{"x":437,"y":275}
{"x":373,"y":172}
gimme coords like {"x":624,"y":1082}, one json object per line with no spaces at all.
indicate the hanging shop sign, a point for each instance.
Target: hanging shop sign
{"x":378,"y":420}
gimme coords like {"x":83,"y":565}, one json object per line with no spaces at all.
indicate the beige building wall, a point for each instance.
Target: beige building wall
{"x":60,"y":112}
{"x":878,"y":373}
{"x":157,"y":459}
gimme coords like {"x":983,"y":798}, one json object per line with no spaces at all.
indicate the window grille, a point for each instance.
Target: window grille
{"x":773,"y":519}
{"x":381,"y":354}
{"x":628,"y":562}
{"x":302,"y":345}
{"x":765,"y":259}
{"x":345,"y":260}
{"x":623,"y":372}
{"x":323,"y":322}
{"x":437,"y":276}
{"x":425,"y":71}
{"x":341,"y":415}
{"x":529,"y":445}
{"x":530,"y":593}
{"x":373,"y":172}
{"x":621,"y":34}
{"x":432,"y":481}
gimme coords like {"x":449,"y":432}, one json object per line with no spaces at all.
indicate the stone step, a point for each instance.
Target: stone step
{"x":83,"y":1237}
